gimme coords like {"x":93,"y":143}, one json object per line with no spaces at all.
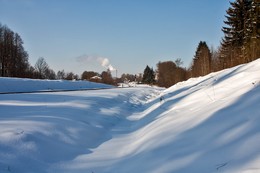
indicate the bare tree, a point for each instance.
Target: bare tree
{"x":41,"y":68}
{"x":61,"y":74}
{"x":13,"y":57}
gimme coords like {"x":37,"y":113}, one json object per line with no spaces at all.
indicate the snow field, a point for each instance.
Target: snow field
{"x":206,"y":124}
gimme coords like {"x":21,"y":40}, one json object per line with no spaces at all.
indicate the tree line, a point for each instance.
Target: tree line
{"x":13,"y":57}
{"x":240,"y":44}
{"x":14,"y":62}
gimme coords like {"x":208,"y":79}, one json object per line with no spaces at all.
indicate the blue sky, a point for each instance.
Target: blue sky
{"x":129,"y":33}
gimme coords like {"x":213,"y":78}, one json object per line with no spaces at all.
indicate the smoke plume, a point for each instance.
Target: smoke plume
{"x":104,"y":62}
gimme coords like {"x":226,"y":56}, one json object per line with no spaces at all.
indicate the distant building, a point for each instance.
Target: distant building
{"x":96,"y":79}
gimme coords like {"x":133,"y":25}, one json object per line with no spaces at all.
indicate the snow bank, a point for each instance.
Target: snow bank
{"x":32,"y":85}
{"x":206,"y":124}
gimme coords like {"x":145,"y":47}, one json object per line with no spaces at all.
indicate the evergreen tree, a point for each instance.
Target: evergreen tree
{"x":241,"y":33}
{"x":148,"y":76}
{"x":202,"y":60}
{"x":252,"y":32}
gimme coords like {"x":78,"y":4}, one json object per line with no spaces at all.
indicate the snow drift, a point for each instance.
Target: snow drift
{"x":206,"y":124}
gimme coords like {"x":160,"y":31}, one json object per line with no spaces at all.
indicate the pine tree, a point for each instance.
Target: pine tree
{"x":148,"y":76}
{"x":252,"y":32}
{"x":202,"y":60}
{"x":241,"y":33}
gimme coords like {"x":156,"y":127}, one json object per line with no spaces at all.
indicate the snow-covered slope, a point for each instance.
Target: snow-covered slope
{"x":207,"y":124}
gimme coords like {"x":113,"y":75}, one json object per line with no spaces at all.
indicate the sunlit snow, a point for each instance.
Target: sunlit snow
{"x":206,"y":124}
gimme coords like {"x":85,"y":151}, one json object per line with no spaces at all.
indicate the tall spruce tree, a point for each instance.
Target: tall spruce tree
{"x":252,"y":32}
{"x":202,"y":60}
{"x":148,"y":76}
{"x":241,"y":33}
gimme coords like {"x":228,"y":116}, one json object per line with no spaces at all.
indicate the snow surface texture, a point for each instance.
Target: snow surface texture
{"x":206,"y":125}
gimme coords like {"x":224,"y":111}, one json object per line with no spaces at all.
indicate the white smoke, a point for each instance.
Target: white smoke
{"x":104,"y":62}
